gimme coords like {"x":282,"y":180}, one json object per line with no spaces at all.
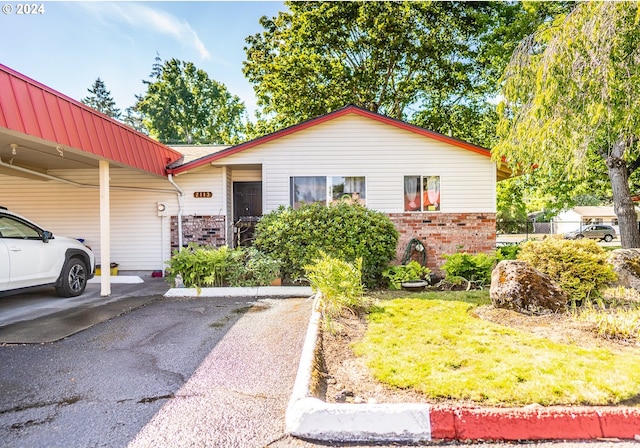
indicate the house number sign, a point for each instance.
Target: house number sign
{"x":202,"y":194}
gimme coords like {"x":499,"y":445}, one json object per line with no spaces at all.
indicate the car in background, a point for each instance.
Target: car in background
{"x":31,"y":256}
{"x":595,"y":231}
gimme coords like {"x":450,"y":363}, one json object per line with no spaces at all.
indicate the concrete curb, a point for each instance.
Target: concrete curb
{"x":257,"y":291}
{"x":311,"y":418}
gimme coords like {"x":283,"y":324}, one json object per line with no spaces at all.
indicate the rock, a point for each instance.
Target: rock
{"x":343,"y":395}
{"x":626,"y":263}
{"x":518,"y":286}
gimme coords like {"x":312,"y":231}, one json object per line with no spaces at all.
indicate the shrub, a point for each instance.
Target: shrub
{"x":509,"y":252}
{"x":253,"y":268}
{"x":579,"y":267}
{"x":472,"y":268}
{"x":339,"y":284}
{"x":202,"y":266}
{"x":404,"y":273}
{"x":344,"y":231}
{"x":199,"y":265}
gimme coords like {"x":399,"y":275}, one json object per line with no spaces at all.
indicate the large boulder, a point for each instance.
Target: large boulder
{"x":626,"y":263}
{"x":518,"y":286}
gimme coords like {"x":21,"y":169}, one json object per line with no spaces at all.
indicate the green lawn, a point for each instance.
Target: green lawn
{"x":431,"y":343}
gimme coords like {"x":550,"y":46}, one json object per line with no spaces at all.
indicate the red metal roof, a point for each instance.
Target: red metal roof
{"x":34,"y":109}
{"x":322,"y":119}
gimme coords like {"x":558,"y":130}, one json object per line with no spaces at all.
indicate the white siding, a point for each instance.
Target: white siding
{"x":202,"y":180}
{"x":136,"y":228}
{"x":346,"y":146}
{"x":357,"y":146}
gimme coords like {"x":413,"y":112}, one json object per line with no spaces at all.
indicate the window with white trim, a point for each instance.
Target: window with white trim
{"x":421,"y":193}
{"x":348,"y":188}
{"x":327,"y":189}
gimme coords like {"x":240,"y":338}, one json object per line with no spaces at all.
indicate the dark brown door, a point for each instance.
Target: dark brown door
{"x":247,"y":208}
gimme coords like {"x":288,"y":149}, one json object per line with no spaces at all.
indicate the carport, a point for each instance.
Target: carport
{"x":42,"y":130}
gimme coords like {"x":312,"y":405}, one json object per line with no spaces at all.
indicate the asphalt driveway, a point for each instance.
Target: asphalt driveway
{"x":175,"y":372}
{"x":41,"y":316}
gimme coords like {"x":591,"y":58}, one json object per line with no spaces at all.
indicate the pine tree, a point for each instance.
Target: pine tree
{"x":101,"y":100}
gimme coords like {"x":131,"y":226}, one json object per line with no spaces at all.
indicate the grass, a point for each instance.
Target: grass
{"x":431,"y":343}
{"x":617,"y":323}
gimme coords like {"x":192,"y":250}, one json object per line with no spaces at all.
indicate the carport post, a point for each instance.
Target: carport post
{"x":105,"y":230}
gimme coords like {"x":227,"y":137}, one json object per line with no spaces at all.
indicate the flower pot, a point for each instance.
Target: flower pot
{"x":277,"y":282}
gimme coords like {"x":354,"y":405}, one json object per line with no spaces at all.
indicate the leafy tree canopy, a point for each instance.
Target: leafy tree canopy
{"x":101,"y":100}
{"x":571,"y":103}
{"x":432,"y":63}
{"x":183,"y":105}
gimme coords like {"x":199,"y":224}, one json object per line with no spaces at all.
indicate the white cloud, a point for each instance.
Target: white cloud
{"x":143,"y":16}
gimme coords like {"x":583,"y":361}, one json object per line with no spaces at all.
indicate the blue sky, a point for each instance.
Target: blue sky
{"x":71,"y":44}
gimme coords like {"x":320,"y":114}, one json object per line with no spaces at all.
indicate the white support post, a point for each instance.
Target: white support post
{"x":105,"y":230}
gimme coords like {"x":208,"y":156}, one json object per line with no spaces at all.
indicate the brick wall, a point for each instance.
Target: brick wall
{"x":205,"y":230}
{"x":441,"y":233}
{"x":446,"y":233}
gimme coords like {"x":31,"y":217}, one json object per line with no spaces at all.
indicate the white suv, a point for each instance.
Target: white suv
{"x":31,"y":256}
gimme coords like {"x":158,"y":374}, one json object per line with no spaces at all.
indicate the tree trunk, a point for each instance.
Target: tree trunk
{"x":623,"y":206}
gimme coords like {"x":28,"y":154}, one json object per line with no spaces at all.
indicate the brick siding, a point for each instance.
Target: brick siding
{"x":441,"y":233}
{"x":446,"y":233}
{"x":205,"y":230}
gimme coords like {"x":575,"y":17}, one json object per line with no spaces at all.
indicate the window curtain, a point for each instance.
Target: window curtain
{"x":432,"y":189}
{"x":412,"y":200}
{"x":309,"y":189}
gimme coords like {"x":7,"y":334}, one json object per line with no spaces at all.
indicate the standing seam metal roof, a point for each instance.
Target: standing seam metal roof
{"x":32,"y":108}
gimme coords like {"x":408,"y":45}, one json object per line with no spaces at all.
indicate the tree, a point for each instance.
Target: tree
{"x":133,"y":118}
{"x":571,"y":95}
{"x":101,"y":100}
{"x":383,"y":56}
{"x":416,"y":61}
{"x":183,"y":105}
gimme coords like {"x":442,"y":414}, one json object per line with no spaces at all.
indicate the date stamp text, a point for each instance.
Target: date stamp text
{"x":23,"y":9}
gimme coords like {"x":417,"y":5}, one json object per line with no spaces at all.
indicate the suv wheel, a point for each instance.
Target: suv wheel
{"x":608,"y":238}
{"x":73,"y":278}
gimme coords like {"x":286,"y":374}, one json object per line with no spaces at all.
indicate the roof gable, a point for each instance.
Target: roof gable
{"x":323,"y":119}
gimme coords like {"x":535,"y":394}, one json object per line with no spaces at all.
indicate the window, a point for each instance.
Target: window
{"x":350,"y":188}
{"x":421,"y":193}
{"x":308,"y":190}
{"x":324,"y":189}
{"x":12,"y":228}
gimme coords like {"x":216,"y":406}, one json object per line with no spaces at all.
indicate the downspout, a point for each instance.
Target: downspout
{"x":180,"y":194}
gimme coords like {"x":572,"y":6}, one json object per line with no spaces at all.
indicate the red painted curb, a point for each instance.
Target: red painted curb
{"x":534,"y":423}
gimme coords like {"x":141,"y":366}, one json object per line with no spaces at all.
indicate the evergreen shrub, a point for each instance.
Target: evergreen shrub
{"x":579,"y":267}
{"x":343,"y":230}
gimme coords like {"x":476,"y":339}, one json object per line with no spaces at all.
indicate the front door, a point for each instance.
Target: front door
{"x":247,"y":208}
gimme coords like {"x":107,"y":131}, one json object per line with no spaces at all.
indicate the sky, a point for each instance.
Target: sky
{"x":68,"y":45}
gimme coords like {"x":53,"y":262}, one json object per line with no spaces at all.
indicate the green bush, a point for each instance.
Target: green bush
{"x":579,"y":267}
{"x":509,"y":252}
{"x":413,"y":270}
{"x":472,"y":268}
{"x":344,"y":231}
{"x":202,"y":266}
{"x":253,"y":268}
{"x":199,"y":265}
{"x":339,"y":284}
